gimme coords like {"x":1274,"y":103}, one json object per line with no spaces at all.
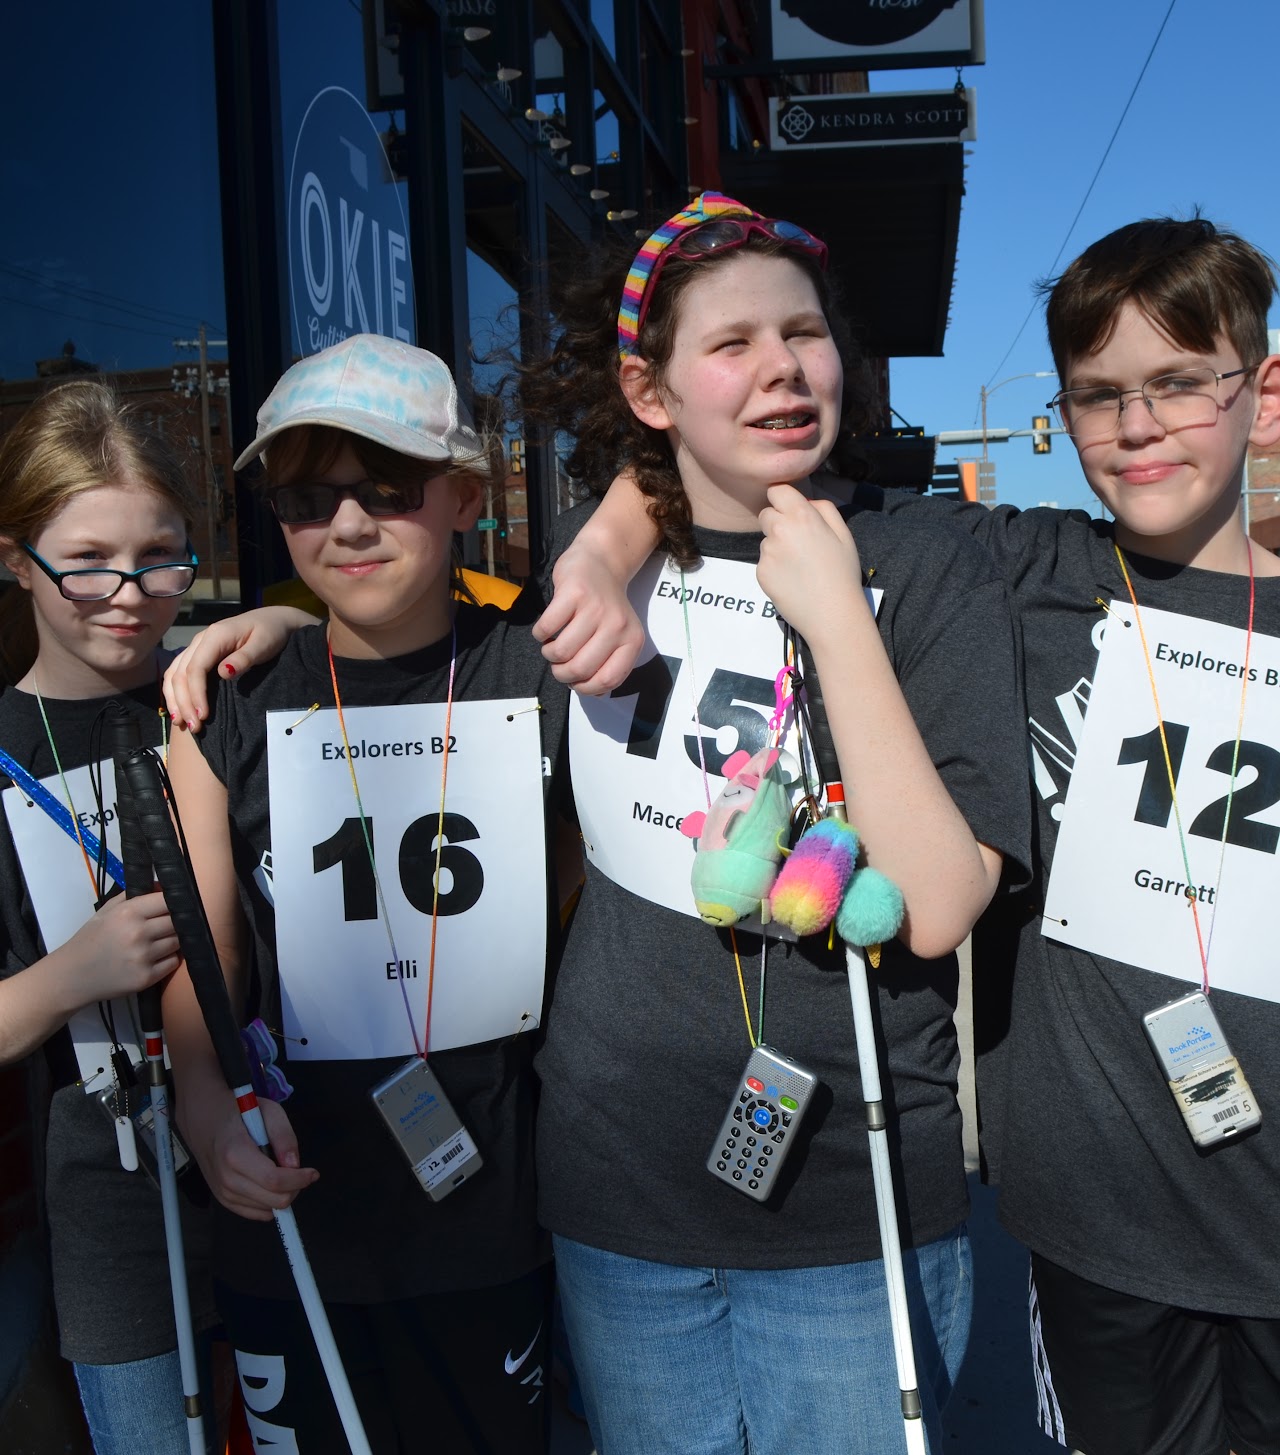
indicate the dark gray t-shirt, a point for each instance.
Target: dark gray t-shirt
{"x":370,"y":1230}
{"x":1096,"y":1168}
{"x":110,"y":1272}
{"x":646,"y":1041}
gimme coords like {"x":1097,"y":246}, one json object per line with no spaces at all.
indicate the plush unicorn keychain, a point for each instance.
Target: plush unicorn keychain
{"x":741,"y":842}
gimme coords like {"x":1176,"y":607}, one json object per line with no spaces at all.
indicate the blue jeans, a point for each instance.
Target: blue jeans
{"x":790,"y":1361}
{"x":138,"y":1406}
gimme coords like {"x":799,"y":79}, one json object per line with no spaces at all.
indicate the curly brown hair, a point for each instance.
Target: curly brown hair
{"x":576,"y":387}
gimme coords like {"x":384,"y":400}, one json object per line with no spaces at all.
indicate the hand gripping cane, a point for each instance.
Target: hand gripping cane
{"x":142,"y":773}
{"x":877,"y":1126}
{"x":123,"y":736}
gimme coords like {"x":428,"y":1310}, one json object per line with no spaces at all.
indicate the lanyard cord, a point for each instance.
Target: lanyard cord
{"x":777,"y":726}
{"x":420,"y":1047}
{"x":75,"y":817}
{"x":1168,"y":761}
{"x":435,"y":886}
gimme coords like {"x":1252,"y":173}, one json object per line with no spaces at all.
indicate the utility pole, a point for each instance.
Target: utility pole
{"x":206,"y":453}
{"x":985,"y":393}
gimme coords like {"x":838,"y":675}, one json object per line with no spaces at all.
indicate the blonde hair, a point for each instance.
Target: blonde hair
{"x":75,"y":437}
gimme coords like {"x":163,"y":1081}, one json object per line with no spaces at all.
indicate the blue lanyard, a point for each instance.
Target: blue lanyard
{"x":60,"y":814}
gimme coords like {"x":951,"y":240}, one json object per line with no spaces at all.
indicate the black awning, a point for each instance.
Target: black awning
{"x":890,"y":216}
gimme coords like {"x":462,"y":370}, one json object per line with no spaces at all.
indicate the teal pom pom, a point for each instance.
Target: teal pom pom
{"x":871,"y":910}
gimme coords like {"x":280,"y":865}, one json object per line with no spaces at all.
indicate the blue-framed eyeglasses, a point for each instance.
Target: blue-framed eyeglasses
{"x":98,"y":583}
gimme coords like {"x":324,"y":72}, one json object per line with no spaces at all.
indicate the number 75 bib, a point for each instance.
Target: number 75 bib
{"x":1119,"y":885}
{"x":637,"y":754}
{"x":342,"y":998}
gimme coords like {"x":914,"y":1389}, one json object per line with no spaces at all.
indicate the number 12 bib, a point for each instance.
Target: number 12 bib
{"x":1119,"y":886}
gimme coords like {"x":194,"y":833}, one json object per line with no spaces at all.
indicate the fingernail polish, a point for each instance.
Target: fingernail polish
{"x":193,"y":725}
{"x":228,"y":669}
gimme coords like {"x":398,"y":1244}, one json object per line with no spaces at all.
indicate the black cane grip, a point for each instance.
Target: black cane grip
{"x":177,"y":882}
{"x":124,"y":736}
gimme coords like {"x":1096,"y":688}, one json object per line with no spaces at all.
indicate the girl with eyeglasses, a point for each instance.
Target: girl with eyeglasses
{"x":94,"y":514}
{"x":368,"y":822}
{"x":714,"y":368}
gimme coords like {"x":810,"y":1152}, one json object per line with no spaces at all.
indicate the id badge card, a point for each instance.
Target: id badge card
{"x":1204,"y":1076}
{"x":427,"y":1129}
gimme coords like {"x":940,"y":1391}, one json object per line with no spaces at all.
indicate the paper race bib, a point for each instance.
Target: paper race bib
{"x":637,"y":768}
{"x":1119,"y":885}
{"x":342,"y":998}
{"x":63,"y":899}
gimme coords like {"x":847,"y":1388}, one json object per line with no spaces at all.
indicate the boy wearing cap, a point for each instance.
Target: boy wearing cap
{"x":368,"y":825}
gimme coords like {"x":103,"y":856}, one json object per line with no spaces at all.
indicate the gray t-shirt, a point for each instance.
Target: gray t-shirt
{"x":1096,"y":1168}
{"x":646,"y":1041}
{"x":371,"y":1232}
{"x":110,"y":1271}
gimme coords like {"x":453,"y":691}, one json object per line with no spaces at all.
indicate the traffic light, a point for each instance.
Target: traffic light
{"x":1042,"y":440}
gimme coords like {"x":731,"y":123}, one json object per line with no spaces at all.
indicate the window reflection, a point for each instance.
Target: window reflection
{"x":603,"y":19}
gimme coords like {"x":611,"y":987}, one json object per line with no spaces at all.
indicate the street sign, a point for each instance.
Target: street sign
{"x":488,"y":523}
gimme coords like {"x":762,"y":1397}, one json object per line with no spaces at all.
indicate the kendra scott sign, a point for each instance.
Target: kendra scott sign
{"x":889,"y":118}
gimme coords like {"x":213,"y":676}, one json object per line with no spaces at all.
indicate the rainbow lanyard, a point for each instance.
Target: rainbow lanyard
{"x":1203,"y":946}
{"x":785,"y":702}
{"x":420,"y":1047}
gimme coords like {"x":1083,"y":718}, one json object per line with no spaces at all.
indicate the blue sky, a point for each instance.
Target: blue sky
{"x":1202,"y":130}
{"x":110,"y":232}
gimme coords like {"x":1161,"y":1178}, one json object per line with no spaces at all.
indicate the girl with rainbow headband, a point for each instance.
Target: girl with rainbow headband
{"x":710,"y":369}
{"x":701,"y":1319}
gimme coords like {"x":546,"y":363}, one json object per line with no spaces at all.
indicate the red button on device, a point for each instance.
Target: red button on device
{"x":754,"y":1084}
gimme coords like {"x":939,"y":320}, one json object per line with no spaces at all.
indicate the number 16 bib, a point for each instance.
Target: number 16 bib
{"x":341,"y":991}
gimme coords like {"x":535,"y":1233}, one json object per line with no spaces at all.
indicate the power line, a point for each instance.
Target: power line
{"x":94,"y":296}
{"x":84,"y":317}
{"x":1092,"y":184}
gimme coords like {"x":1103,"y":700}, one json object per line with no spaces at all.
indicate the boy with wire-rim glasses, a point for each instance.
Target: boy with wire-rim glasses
{"x":1155,"y":1294}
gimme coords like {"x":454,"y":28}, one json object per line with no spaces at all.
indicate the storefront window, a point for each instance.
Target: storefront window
{"x":602,"y":17}
{"x":111,"y":240}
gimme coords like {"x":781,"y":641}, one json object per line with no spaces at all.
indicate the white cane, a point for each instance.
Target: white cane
{"x":882,"y":1177}
{"x":886,"y":1204}
{"x":141,"y":772}
{"x":124,"y":737}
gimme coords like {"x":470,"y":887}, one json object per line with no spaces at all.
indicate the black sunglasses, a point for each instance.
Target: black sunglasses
{"x":309,"y":504}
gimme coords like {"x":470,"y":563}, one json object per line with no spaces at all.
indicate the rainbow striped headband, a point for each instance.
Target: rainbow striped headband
{"x":702,"y":209}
